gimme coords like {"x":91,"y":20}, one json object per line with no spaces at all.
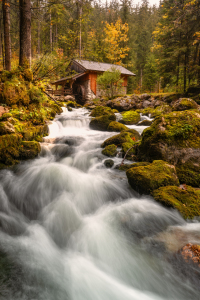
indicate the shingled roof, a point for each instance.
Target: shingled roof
{"x":101,"y":67}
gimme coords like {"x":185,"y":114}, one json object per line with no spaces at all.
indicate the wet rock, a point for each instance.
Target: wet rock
{"x":29,"y":150}
{"x":184,"y":104}
{"x":110,"y":150}
{"x":175,"y":138}
{"x":146,"y":179}
{"x":6,"y":128}
{"x":69,"y":108}
{"x":130,"y":117}
{"x":116,"y":126}
{"x":145,"y":123}
{"x":102,"y":123}
{"x":108,"y":163}
{"x":191,"y":253}
{"x":125,"y":167}
{"x":185,"y":199}
{"x":129,"y":136}
{"x":71,"y":104}
{"x":99,"y":111}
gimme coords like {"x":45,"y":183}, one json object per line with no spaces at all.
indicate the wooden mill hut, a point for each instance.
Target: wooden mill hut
{"x":83,"y":84}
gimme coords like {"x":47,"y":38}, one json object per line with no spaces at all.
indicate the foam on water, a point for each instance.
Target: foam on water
{"x":74,"y":230}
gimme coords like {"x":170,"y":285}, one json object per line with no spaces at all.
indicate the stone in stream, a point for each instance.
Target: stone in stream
{"x":175,"y":138}
{"x":108,"y":163}
{"x":185,"y":199}
{"x":146,"y":179}
{"x":145,"y":123}
{"x":110,"y":150}
{"x":191,"y":253}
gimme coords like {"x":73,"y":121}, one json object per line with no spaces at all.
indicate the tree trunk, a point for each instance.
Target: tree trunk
{"x":185,"y":73}
{"x":80,"y":32}
{"x":141,"y":80}
{"x":38,"y":28}
{"x":199,"y":68}
{"x":25,"y":33}
{"x":177,"y":75}
{"x":7,"y":39}
{"x":51,"y":42}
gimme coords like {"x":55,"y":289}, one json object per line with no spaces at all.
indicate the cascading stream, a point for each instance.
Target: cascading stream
{"x":74,"y":230}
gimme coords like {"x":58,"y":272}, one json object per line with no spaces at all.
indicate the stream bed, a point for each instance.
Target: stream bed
{"x":74,"y":230}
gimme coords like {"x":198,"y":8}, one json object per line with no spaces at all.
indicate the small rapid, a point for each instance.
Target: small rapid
{"x":72,"y":229}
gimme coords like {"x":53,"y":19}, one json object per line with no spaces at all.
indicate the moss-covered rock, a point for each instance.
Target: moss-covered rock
{"x":130,"y":117}
{"x":14,"y":92}
{"x":9,"y":148}
{"x":145,"y":123}
{"x":169,"y":136}
{"x":186,"y":201}
{"x":109,"y":163}
{"x":125,"y":167}
{"x":29,"y":150}
{"x":184,"y":104}
{"x":121,"y":138}
{"x":156,"y":112}
{"x":71,"y":104}
{"x":99,"y":111}
{"x":110,"y":150}
{"x":189,"y":172}
{"x":6,"y":128}
{"x":116,"y":126}
{"x":128,"y":146}
{"x":102,"y":123}
{"x":6,"y":116}
{"x":145,"y":179}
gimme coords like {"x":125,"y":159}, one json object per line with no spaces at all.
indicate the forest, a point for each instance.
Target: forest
{"x":161,"y":45}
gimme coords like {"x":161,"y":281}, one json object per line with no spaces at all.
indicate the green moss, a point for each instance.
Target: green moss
{"x":29,"y":150}
{"x":186,"y":201}
{"x":115,"y":111}
{"x":177,"y":129}
{"x":130,"y":117}
{"x":6,"y":128}
{"x":6,"y":116}
{"x":110,"y":150}
{"x":184,"y":104}
{"x":145,"y":179}
{"x":9,"y":148}
{"x":100,"y":111}
{"x":118,"y":139}
{"x":131,"y":153}
{"x":15,"y":92}
{"x":188,"y":173}
{"x":126,"y":167}
{"x":102,"y":123}
{"x":71,"y":104}
{"x":116,"y":126}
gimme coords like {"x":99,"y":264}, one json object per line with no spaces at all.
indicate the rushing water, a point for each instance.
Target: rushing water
{"x":74,"y":230}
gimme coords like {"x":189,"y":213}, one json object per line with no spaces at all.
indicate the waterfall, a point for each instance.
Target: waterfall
{"x":73,"y":230}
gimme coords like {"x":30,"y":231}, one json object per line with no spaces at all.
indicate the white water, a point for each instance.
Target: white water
{"x":75,"y":230}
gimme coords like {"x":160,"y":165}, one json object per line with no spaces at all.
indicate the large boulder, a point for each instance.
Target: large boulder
{"x":102,"y":123}
{"x":146,"y":179}
{"x":175,"y":138}
{"x":184,"y":104}
{"x":123,"y":103}
{"x":99,"y":111}
{"x":185,"y":199}
{"x":116,"y":126}
{"x":129,"y":136}
{"x":130,"y":117}
{"x":110,"y":150}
